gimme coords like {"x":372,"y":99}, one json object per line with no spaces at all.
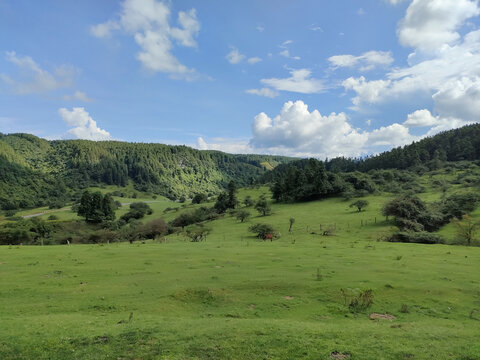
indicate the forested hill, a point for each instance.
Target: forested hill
{"x":453,"y":145}
{"x":34,"y":171}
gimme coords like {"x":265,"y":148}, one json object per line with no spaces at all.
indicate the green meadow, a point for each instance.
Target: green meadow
{"x":234,"y":296}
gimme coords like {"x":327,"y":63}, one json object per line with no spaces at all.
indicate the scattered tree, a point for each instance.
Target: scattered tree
{"x":248,"y":201}
{"x":292,"y":221}
{"x":359,"y":204}
{"x":200,"y":198}
{"x":242,"y":215}
{"x":262,"y":206}
{"x":466,"y":229}
{"x":264,"y":231}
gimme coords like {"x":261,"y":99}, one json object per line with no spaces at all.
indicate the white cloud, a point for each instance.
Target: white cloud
{"x":367,"y":61}
{"x":391,"y":136}
{"x":33,"y":79}
{"x":300,"y":81}
{"x":232,"y":146}
{"x":267,"y":92}
{"x":395,"y":2}
{"x":254,"y":60}
{"x":234,"y":56}
{"x":260,"y":28}
{"x":459,"y":98}
{"x":149,"y":23}
{"x":84,"y":127}
{"x":297,"y":131}
{"x":452,"y":71}
{"x":286,"y":53}
{"x":423,"y":118}
{"x":314,"y":27}
{"x":104,"y":30}
{"x":77,"y":95}
{"x":430,"y":24}
{"x":361,"y":12}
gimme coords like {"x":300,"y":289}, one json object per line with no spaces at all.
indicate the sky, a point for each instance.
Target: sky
{"x":306,"y":78}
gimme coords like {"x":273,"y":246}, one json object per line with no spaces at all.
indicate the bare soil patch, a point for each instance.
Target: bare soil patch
{"x":377,"y":316}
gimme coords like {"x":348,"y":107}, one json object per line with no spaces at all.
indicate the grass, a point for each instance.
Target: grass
{"x":236,"y":297}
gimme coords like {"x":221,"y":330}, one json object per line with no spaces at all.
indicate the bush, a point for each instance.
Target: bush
{"x":361,"y":302}
{"x":422,"y":237}
{"x":53,"y":217}
{"x":264,"y":231}
{"x":199,"y":198}
{"x":137,"y":211}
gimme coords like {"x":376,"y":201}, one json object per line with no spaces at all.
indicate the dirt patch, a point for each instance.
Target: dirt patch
{"x":288,"y":297}
{"x":340,"y":356}
{"x":376,"y":316}
{"x":252,"y":306}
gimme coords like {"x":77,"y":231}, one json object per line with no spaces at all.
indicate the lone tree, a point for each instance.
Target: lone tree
{"x":359,"y":204}
{"x":262,"y":206}
{"x":292,"y":221}
{"x":248,"y":201}
{"x":466,"y":229}
{"x":96,"y":208}
{"x":264,"y":231}
{"x":242,"y":215}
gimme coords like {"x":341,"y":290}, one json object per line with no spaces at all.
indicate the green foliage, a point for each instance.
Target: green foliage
{"x":96,"y":208}
{"x":200,"y":198}
{"x":359,"y":204}
{"x":137,"y":211}
{"x":35,"y":172}
{"x":242,"y":215}
{"x":264,"y":231}
{"x":262,"y":206}
{"x":194,"y":217}
{"x":466,"y":230}
{"x":417,"y":237}
{"x":303,"y":180}
{"x":361,"y":302}
{"x":248,"y":201}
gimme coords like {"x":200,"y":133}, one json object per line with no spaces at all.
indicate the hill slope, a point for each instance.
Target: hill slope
{"x":33,"y":170}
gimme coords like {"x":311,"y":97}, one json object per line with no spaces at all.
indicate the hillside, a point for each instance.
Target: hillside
{"x":35,"y":172}
{"x":453,"y":145}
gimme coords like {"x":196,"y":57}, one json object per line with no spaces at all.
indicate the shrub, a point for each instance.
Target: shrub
{"x":361,"y":302}
{"x":422,"y":237}
{"x":264,"y":231}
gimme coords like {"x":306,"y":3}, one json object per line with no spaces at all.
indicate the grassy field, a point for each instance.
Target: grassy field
{"x":237,"y":297}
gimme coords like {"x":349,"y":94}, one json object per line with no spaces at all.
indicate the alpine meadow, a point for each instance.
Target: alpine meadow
{"x":279,"y":180}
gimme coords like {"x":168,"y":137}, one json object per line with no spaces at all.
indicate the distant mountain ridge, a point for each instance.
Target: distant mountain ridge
{"x":34,"y":171}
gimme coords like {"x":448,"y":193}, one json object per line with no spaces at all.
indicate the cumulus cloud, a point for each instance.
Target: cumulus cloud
{"x":459,"y":98}
{"x":430,"y":24}
{"x":254,"y":60}
{"x":84,"y":127}
{"x":77,"y":95}
{"x":297,"y":131}
{"x":32,"y":79}
{"x":450,"y":78}
{"x":424,"y":118}
{"x":367,"y":61}
{"x":234,"y":56}
{"x":149,"y":23}
{"x":267,"y":92}
{"x":300,"y":81}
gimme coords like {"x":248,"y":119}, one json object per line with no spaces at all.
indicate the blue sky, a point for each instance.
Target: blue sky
{"x":302,"y":78}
